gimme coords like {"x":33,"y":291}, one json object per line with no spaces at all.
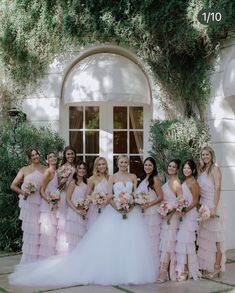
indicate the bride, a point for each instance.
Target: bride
{"x":113,"y":251}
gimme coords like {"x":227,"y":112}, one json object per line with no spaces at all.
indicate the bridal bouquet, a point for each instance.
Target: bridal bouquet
{"x":181,"y":207}
{"x":65,"y":171}
{"x":83,"y":204}
{"x":141,"y":198}
{"x":30,"y":187}
{"x":123,"y":202}
{"x":54,"y":197}
{"x":166,"y":209}
{"x":204,"y":213}
{"x":99,"y":199}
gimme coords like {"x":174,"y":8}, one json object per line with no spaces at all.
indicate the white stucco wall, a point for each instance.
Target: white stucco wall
{"x":221,"y":119}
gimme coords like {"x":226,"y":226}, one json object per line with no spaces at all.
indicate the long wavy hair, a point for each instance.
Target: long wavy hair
{"x":68,"y":148}
{"x":75,"y":175}
{"x":95,"y":167}
{"x":202,"y":165}
{"x":152,"y":175}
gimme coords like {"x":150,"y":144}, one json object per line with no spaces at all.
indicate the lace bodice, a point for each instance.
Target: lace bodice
{"x":120,"y":186}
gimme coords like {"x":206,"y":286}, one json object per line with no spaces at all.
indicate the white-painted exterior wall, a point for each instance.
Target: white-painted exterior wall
{"x":45,"y":106}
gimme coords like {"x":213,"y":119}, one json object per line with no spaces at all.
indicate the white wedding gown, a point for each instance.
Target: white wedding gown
{"x":113,"y":251}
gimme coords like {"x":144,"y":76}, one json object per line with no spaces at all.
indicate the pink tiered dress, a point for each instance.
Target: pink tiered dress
{"x":48,"y":223}
{"x":186,"y":237}
{"x":153,"y":221}
{"x":211,"y":230}
{"x":168,"y":234}
{"x":62,"y":244}
{"x":29,"y":215}
{"x":92,"y":214}
{"x":75,"y":226}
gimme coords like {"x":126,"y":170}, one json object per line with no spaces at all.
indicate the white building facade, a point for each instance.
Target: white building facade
{"x":102,"y":99}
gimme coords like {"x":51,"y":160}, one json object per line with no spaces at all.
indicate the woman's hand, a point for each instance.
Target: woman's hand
{"x":213,"y":212}
{"x":145,"y":206}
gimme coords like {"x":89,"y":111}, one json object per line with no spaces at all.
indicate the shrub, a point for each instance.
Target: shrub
{"x":16,"y":137}
{"x":180,"y":138}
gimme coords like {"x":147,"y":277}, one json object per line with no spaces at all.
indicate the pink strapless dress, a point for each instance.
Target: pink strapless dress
{"x":48,"y":223}
{"x":29,"y":215}
{"x":92,"y":214}
{"x":186,"y":237}
{"x":211,"y":230}
{"x":153,"y":221}
{"x":168,"y":234}
{"x":62,"y":244}
{"x":75,"y":226}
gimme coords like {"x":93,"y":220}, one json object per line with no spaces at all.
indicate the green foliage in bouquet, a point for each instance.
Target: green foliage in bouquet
{"x":177,"y":139}
{"x":16,"y":137}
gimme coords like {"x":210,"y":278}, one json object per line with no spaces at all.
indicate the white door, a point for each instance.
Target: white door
{"x":108,"y":130}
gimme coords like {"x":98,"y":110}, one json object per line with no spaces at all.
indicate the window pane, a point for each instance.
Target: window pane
{"x":92,"y":142}
{"x":119,"y":142}
{"x":76,"y":141}
{"x":136,"y":165}
{"x":136,"y":142}
{"x":136,"y":117}
{"x":92,"y":117}
{"x":75,"y":117}
{"x":119,"y":117}
{"x":90,"y":162}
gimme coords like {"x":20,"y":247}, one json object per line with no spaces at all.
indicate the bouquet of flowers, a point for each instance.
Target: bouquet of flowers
{"x":165,"y":209}
{"x":204,"y":213}
{"x":31,"y":187}
{"x":54,"y":197}
{"x":141,"y":198}
{"x":64,"y":171}
{"x":83,"y":204}
{"x":123,"y":202}
{"x":99,"y":199}
{"x":182,"y":207}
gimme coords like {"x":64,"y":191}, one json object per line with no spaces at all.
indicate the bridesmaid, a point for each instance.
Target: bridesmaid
{"x":29,"y":204}
{"x":48,"y":220}
{"x":171,"y":190}
{"x":65,"y":174}
{"x":150,"y":184}
{"x":98,"y":182}
{"x":186,"y":258}
{"x":211,"y":252}
{"x":75,"y":226}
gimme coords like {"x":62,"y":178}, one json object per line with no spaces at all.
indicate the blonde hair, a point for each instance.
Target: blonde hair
{"x":122,"y":156}
{"x":202,"y":165}
{"x":95,"y":167}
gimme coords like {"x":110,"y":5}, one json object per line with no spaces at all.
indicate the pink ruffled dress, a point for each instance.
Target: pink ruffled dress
{"x":153,"y":221}
{"x":48,"y":223}
{"x":29,"y":215}
{"x":212,"y":230}
{"x":168,"y":234}
{"x":62,"y":244}
{"x":92,"y":214}
{"x":186,"y":237}
{"x":75,"y":226}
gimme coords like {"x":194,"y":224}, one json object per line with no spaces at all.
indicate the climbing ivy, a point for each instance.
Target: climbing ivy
{"x":164,"y":34}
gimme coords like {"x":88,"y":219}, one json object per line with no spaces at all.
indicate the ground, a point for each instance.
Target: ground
{"x":226,"y":283}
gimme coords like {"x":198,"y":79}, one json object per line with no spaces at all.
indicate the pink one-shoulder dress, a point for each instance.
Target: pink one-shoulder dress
{"x":62,"y":244}
{"x":92,"y":214}
{"x":211,"y":230}
{"x":29,"y":215}
{"x":75,"y":226}
{"x":186,"y":237}
{"x":48,"y":223}
{"x":153,"y":222}
{"x":168,"y":234}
